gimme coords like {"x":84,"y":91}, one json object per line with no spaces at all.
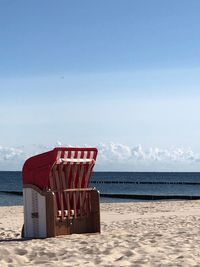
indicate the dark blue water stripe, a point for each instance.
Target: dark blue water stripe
{"x":19,"y":193}
{"x":150,"y":197}
{"x":138,"y":182}
{"x":129,"y":196}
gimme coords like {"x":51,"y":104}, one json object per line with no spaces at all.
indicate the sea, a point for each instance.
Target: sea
{"x":118,"y":186}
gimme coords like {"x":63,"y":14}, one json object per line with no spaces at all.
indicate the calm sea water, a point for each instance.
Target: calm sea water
{"x":124,"y":184}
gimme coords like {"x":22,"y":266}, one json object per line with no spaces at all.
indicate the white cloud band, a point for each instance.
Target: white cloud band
{"x":113,"y":156}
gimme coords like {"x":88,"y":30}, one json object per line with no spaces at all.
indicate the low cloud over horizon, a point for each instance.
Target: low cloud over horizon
{"x":114,"y":157}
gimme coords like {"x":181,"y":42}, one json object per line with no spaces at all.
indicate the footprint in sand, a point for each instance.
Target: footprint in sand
{"x":20,"y":251}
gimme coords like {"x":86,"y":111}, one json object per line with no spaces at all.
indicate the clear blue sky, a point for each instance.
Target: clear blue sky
{"x":91,"y":72}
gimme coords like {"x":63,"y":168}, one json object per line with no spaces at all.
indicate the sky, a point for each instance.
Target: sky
{"x":120,"y":75}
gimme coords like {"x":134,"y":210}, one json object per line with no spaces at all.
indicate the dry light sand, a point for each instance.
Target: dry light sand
{"x":133,"y":234}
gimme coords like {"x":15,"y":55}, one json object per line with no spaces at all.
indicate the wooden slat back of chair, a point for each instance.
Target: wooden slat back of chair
{"x":67,"y":174}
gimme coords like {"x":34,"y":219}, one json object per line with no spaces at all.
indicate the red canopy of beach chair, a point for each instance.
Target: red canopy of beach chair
{"x":60,"y":168}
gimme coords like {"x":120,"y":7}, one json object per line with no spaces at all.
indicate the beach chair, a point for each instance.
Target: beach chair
{"x":57,"y":200}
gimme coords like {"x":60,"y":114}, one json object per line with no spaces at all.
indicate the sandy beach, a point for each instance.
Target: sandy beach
{"x":161,"y":233}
